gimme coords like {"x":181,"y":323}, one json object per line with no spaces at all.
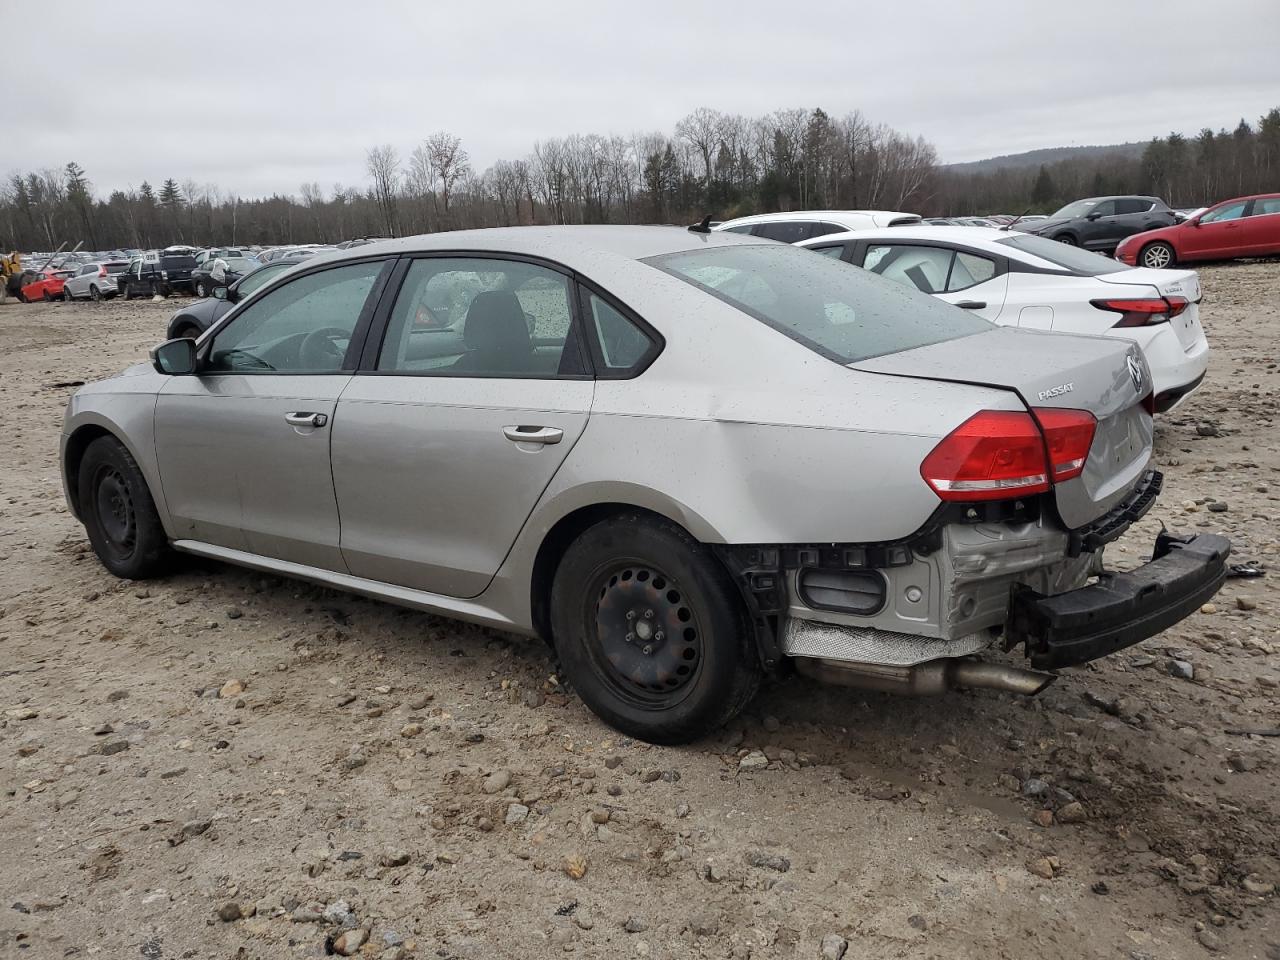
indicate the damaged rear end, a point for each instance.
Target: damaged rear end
{"x":1028,"y":500}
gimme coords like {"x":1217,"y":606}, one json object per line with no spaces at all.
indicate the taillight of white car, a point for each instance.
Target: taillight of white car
{"x":997,"y":454}
{"x":1143,"y":312}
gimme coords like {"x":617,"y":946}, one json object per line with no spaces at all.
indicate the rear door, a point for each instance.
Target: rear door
{"x":459,"y":418}
{"x":1262,"y":226}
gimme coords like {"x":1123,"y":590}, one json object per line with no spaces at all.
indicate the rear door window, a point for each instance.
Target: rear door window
{"x":1265,"y":206}
{"x":482,"y":317}
{"x":922,"y":268}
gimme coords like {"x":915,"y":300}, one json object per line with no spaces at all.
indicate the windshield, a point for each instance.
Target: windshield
{"x":1082,"y":263}
{"x":836,"y":310}
{"x":1073,"y":210}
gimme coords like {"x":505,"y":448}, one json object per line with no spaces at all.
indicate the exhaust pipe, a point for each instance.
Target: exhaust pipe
{"x":925,"y":679}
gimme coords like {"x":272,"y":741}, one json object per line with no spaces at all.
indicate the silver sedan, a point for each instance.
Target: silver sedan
{"x":686,"y":460}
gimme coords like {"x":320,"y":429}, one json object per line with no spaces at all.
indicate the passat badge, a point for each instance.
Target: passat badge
{"x":1135,"y":371}
{"x":1057,"y":391}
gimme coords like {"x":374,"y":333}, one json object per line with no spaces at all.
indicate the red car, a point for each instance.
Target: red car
{"x":1243,"y":227}
{"x":48,"y":286}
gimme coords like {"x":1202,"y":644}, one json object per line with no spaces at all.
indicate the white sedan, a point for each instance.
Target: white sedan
{"x":1020,"y":280}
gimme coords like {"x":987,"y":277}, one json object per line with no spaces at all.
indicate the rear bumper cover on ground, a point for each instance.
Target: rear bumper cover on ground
{"x":1121,"y":609}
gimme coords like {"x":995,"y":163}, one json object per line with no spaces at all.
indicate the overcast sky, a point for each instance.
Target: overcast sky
{"x":259,"y":98}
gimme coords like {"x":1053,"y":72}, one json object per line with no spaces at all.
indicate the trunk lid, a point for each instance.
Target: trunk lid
{"x":1104,"y":375}
{"x":1167,"y":283}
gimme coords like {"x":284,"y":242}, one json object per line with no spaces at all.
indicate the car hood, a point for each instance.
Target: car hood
{"x":1105,"y":375}
{"x":1039,"y":226}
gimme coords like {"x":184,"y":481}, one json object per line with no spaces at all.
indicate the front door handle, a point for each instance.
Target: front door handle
{"x":972,"y":305}
{"x":305,"y":419}
{"x":533,"y":434}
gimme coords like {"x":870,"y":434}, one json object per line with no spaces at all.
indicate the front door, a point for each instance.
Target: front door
{"x":1101,"y":228}
{"x":1217,"y":232}
{"x":441,"y":452}
{"x":243,"y":445}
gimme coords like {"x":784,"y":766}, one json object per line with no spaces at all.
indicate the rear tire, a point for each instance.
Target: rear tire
{"x":95,"y":293}
{"x":127,"y":292}
{"x":651,"y":632}
{"x":46,"y":296}
{"x":1158,"y":256}
{"x":119,"y":514}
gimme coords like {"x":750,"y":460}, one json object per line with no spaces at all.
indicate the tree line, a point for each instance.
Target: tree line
{"x":713,"y":163}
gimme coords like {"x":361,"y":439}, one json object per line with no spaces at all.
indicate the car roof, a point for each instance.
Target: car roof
{"x":569,"y":245}
{"x":814,"y":215}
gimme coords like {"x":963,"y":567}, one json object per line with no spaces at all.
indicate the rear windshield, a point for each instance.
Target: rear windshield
{"x":837,"y":310}
{"x":174,"y":261}
{"x":1082,"y":263}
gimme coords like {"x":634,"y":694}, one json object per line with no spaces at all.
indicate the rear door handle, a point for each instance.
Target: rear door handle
{"x":533,"y":434}
{"x":305,"y":419}
{"x":972,"y":305}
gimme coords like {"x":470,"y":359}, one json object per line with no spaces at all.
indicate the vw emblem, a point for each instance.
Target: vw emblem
{"x":1135,"y":371}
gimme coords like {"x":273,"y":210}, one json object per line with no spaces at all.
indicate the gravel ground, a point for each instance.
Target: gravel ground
{"x":221,"y":764}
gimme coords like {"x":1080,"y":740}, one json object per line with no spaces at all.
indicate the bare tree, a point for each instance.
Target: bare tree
{"x":448,"y":161}
{"x":384,"y":167}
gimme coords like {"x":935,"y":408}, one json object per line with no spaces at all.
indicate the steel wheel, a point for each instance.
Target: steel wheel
{"x":1157,"y":256}
{"x":649,"y":641}
{"x":115,"y":511}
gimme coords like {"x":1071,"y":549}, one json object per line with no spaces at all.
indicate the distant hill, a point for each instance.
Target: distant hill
{"x":1033,"y":158}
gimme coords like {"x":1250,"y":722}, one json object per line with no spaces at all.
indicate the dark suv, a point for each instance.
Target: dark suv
{"x":1100,"y":223}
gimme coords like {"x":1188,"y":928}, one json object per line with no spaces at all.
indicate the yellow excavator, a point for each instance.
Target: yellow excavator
{"x":10,"y":274}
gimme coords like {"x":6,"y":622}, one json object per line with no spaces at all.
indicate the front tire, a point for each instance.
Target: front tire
{"x":200,"y":291}
{"x":1157,"y":256}
{"x":1067,"y":238}
{"x":651,"y":632}
{"x":119,"y":514}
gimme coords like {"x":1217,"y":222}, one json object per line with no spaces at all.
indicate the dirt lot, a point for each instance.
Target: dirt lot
{"x":429,"y":784}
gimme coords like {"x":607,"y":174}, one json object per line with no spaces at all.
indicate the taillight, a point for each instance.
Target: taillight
{"x":1000,"y":454}
{"x":993,"y":455}
{"x":1144,"y":311}
{"x":102,"y":272}
{"x":1068,"y":435}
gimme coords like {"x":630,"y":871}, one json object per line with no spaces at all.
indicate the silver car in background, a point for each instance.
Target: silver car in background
{"x":685,"y":459}
{"x":95,"y":281}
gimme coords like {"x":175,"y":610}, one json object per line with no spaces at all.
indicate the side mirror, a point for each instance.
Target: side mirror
{"x":1195,"y":222}
{"x":175,"y":358}
{"x":1093,"y":216}
{"x":220,"y":293}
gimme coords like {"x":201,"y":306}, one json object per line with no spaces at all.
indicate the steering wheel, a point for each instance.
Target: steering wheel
{"x":318,"y":351}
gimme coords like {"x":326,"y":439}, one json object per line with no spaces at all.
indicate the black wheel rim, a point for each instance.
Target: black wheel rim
{"x":115,"y":512}
{"x":648,"y":639}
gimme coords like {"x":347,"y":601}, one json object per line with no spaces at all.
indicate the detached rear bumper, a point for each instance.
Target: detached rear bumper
{"x":1121,"y":609}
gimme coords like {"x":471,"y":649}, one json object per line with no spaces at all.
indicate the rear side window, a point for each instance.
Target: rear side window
{"x":785,"y":231}
{"x":624,"y":346}
{"x":1133,"y":205}
{"x":1266,"y":206}
{"x":833,"y":252}
{"x":822,"y":229}
{"x":740,"y":228}
{"x":844,"y":315}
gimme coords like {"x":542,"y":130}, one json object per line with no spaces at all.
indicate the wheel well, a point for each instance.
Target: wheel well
{"x":77,"y":444}
{"x":556,"y":542}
